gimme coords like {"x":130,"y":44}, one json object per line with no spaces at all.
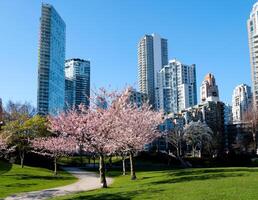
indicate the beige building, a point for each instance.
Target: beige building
{"x":152,"y":56}
{"x":209,"y":89}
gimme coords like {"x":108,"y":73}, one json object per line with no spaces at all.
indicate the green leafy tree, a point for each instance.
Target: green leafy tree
{"x":20,"y":131}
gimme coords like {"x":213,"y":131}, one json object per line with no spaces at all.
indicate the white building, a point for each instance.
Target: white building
{"x":209,"y":89}
{"x":252,"y":26}
{"x":167,"y":99}
{"x":177,"y":87}
{"x":241,"y":100}
{"x":152,"y":56}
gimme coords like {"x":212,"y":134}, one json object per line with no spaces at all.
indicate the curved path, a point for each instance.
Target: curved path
{"x":87,"y":181}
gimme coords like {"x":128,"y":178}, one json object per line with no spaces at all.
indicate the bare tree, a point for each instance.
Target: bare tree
{"x":13,"y":110}
{"x":251,"y":117}
{"x":175,"y":138}
{"x":197,"y":135}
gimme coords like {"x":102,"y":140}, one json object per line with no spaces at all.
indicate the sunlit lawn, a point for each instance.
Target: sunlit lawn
{"x":14,"y":179}
{"x":188,"y":184}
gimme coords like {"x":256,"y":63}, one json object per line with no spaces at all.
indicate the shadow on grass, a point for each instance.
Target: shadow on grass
{"x":113,"y":196}
{"x":206,"y":171}
{"x":20,"y":185}
{"x":30,"y":177}
{"x":199,"y":178}
{"x":5,"y":167}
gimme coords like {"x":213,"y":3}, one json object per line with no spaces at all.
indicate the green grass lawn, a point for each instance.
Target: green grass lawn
{"x":187,"y":184}
{"x":14,"y":179}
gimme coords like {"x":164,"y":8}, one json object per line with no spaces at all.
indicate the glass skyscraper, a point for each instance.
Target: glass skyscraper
{"x":77,"y":82}
{"x":51,"y":77}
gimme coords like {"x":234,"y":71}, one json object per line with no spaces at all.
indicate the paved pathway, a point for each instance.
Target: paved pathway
{"x":87,"y":181}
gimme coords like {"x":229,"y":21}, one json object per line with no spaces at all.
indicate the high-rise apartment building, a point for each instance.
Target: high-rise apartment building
{"x":1,"y":113}
{"x":51,"y":77}
{"x":209,"y":89}
{"x":167,"y":100}
{"x":137,"y":98}
{"x":152,"y":56}
{"x":177,"y":87}
{"x":252,"y":26}
{"x":77,"y":82}
{"x":241,"y":100}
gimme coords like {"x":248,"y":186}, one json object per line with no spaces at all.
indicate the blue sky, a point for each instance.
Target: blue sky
{"x":209,"y":33}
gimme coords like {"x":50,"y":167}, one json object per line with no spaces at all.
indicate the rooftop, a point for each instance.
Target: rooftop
{"x":76,"y":59}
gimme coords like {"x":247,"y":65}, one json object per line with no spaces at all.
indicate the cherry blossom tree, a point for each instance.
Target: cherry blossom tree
{"x":54,"y":147}
{"x":110,"y":125}
{"x":136,"y":127}
{"x":91,"y":128}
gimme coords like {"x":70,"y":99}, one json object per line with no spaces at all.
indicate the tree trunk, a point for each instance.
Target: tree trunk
{"x":22,"y":165}
{"x":180,"y":149}
{"x":194,"y":152}
{"x":110,"y":162}
{"x":55,"y":166}
{"x":177,"y":152}
{"x":22,"y":158}
{"x":103,"y":180}
{"x":133,"y":175}
{"x":124,"y":170}
{"x":81,"y":159}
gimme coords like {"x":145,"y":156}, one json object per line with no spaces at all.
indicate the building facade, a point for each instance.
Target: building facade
{"x":177,"y":87}
{"x":1,"y":114}
{"x":241,"y":100}
{"x":77,"y":82}
{"x":137,"y":98}
{"x":240,"y":139}
{"x":228,"y":117}
{"x":152,"y":56}
{"x":167,"y":89}
{"x":209,"y":89}
{"x":51,"y":78}
{"x":252,"y":26}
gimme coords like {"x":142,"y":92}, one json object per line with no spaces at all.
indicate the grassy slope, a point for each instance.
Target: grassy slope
{"x":189,"y":184}
{"x":14,"y":179}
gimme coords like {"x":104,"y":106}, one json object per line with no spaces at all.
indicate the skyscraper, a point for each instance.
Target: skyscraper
{"x":1,"y":113}
{"x":152,"y":56}
{"x":241,"y":100}
{"x":252,"y":26}
{"x":51,"y":77}
{"x":77,"y":82}
{"x":209,"y":89}
{"x":167,"y":86}
{"x":177,"y":87}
